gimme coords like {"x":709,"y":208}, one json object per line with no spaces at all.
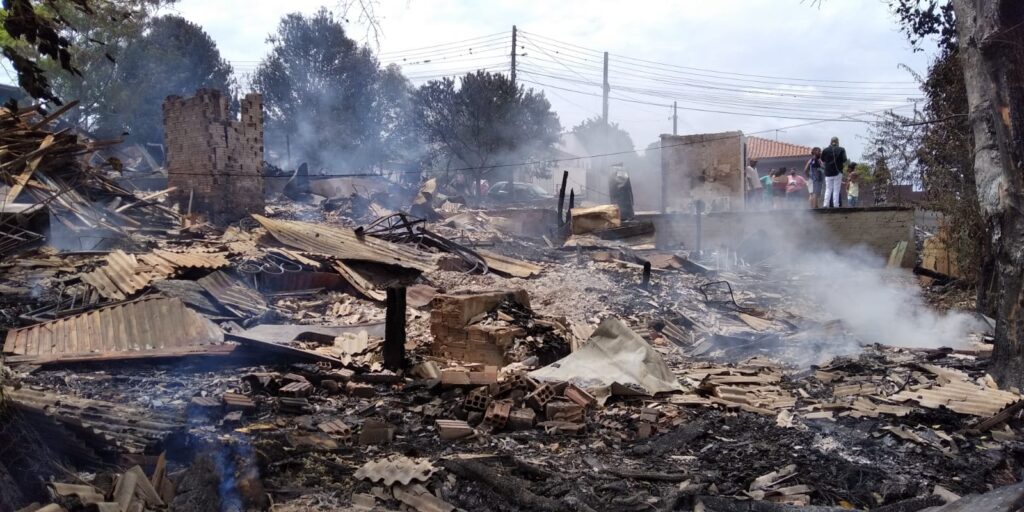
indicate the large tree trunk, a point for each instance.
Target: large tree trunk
{"x":990,"y":39}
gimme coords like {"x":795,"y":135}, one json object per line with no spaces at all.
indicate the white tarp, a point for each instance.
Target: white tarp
{"x":615,"y":360}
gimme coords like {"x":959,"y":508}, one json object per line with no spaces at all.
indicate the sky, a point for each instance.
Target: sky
{"x":771,"y":64}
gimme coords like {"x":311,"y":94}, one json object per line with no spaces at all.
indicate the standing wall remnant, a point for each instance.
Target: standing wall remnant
{"x":214,"y":160}
{"x":705,"y":166}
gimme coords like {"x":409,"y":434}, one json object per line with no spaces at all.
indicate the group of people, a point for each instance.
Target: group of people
{"x":820,"y":184}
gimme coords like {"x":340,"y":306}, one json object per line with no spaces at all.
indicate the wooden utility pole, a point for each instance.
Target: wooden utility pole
{"x":607,"y":89}
{"x":675,"y":118}
{"x":514,"y":33}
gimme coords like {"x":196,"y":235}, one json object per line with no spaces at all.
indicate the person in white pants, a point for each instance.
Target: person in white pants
{"x":833,"y":158}
{"x":833,"y":186}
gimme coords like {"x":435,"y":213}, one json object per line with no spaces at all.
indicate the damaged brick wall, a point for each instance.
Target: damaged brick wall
{"x":706,"y":166}
{"x":214,"y":160}
{"x":878,"y":229}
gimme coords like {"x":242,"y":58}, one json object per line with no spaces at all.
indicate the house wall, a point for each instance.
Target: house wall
{"x":877,"y":229}
{"x":215,"y":162}
{"x":707,"y":166}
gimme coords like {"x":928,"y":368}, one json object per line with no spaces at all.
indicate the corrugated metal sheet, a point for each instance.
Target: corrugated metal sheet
{"x":123,"y":275}
{"x":126,"y":274}
{"x":509,"y":266}
{"x":234,"y":295}
{"x":344,"y":244}
{"x":194,"y":259}
{"x":99,"y":424}
{"x":148,"y":327}
{"x":961,"y":397}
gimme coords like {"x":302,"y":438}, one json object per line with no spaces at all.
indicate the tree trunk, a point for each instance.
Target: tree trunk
{"x":989,"y":34}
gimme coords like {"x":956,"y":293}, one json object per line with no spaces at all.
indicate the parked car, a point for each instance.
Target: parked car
{"x":500,"y":192}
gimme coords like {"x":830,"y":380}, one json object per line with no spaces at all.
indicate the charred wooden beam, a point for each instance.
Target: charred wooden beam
{"x":394,"y":329}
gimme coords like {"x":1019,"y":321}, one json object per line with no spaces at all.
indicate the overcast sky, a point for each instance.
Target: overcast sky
{"x":842,"y":41}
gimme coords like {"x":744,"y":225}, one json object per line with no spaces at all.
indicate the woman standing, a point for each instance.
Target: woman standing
{"x":814,"y":172}
{"x":779,"y":184}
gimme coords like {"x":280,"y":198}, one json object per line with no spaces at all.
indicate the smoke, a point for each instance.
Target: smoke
{"x":835,"y":281}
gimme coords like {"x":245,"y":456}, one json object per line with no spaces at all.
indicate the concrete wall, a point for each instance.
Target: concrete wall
{"x":706,"y":166}
{"x":215,"y":162}
{"x":876,"y":229}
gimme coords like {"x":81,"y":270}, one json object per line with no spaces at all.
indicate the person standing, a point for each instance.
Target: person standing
{"x":780,"y":181}
{"x":754,"y":187}
{"x":852,"y":186}
{"x":833,"y":158}
{"x":814,"y":173}
{"x":796,"y":190}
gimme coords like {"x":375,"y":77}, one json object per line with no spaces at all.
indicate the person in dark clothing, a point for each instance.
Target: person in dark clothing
{"x":834,"y":158}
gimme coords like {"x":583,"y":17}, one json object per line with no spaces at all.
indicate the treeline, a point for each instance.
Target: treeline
{"x":328,"y":100}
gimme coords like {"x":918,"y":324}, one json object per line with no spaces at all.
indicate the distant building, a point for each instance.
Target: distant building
{"x":772,"y":154}
{"x":574,"y":158}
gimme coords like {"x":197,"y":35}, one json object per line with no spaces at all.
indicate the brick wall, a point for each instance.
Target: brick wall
{"x":876,"y":229}
{"x":215,"y":161}
{"x":707,"y":166}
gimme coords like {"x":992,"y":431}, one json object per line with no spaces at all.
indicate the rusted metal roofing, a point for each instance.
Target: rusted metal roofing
{"x":148,"y":327}
{"x":194,"y":259}
{"x":509,"y":266}
{"x":344,"y":244}
{"x":123,"y":276}
{"x":126,"y":274}
{"x":234,"y":295}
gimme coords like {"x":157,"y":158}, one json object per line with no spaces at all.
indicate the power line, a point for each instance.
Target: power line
{"x":586,"y":51}
{"x":453,"y":43}
{"x":559,"y":160}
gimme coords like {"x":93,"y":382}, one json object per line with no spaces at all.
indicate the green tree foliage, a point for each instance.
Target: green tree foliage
{"x":487,"y":125}
{"x":45,"y":39}
{"x":98,"y":40}
{"x":173,"y":57}
{"x":328,"y":100}
{"x":942,"y":148}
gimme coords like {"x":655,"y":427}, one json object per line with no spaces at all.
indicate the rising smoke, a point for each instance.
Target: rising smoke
{"x":873,"y":303}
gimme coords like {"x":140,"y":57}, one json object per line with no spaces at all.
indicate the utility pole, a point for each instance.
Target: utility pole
{"x":607,"y":88}
{"x":512,"y":180}
{"x":675,"y":118}
{"x":514,"y":31}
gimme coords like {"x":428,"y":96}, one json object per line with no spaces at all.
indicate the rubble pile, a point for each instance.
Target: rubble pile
{"x":559,"y":367}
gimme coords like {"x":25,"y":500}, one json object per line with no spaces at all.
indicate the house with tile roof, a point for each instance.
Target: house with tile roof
{"x":772,"y":154}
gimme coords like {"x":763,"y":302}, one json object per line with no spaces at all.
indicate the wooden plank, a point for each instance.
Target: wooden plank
{"x":22,"y":179}
{"x":146,"y":198}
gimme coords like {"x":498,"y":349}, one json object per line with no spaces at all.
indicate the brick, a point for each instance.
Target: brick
{"x":297,"y":389}
{"x":554,"y":427}
{"x":376,"y":432}
{"x":453,"y":429}
{"x":360,"y":390}
{"x":540,"y":397}
{"x":451,"y":377}
{"x":557,"y":410}
{"x":579,"y":396}
{"x":649,"y":415}
{"x":477,"y":400}
{"x":206,"y":405}
{"x":293,"y":405}
{"x":482,"y":378}
{"x":521,"y":381}
{"x":522,"y":419}
{"x":331,"y":386}
{"x":496,"y":416}
{"x":238,"y":402}
{"x":335,"y":428}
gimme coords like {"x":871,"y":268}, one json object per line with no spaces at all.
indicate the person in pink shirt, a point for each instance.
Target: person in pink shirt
{"x":796,"y":190}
